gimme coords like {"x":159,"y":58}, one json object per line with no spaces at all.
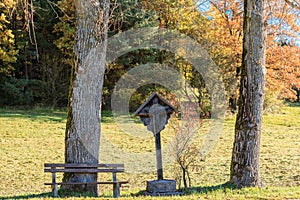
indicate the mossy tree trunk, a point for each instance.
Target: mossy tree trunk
{"x":82,"y":139}
{"x":248,"y":127}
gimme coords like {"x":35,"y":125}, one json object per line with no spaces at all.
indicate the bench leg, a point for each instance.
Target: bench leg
{"x":116,"y":190}
{"x":54,"y":186}
{"x":55,"y":190}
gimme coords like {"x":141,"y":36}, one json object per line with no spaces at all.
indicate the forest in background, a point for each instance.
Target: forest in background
{"x":37,"y":38}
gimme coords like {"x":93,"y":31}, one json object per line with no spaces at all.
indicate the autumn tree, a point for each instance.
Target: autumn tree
{"x":82,"y":140}
{"x":246,"y":148}
{"x":184,"y":17}
{"x":226,"y":31}
{"x":282,"y":60}
{"x":283,"y":66}
{"x":65,"y":28}
{"x":8,"y":51}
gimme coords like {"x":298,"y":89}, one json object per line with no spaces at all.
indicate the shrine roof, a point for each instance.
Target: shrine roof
{"x":149,"y":102}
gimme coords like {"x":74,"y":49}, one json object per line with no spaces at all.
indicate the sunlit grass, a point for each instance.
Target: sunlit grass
{"x":28,"y":139}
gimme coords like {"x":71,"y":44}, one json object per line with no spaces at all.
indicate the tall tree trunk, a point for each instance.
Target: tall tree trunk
{"x":246,"y":148}
{"x":82,"y":140}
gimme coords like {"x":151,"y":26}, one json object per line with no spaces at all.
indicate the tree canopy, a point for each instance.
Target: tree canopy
{"x":37,"y":42}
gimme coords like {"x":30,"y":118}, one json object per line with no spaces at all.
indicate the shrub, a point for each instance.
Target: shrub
{"x":16,"y":92}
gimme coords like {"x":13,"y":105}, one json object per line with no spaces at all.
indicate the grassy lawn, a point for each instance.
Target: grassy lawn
{"x":28,"y":139}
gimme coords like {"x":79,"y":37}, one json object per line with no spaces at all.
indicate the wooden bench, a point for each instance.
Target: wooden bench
{"x":85,"y":168}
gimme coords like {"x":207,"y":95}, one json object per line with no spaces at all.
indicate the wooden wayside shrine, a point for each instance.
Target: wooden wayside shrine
{"x":155,"y":113}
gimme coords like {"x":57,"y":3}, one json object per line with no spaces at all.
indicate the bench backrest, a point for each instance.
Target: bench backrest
{"x":83,"y":168}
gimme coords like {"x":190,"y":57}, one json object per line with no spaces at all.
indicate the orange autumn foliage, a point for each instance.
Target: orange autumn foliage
{"x":283,"y":55}
{"x":222,"y":37}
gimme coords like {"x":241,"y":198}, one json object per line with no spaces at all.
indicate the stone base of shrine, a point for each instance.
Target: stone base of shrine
{"x":161,"y":188}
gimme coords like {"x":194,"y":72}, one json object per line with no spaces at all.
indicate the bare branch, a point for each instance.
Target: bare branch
{"x":293,"y":3}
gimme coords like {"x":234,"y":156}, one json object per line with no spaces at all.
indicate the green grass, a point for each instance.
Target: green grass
{"x":30,"y":138}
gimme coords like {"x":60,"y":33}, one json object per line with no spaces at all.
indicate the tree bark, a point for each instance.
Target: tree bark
{"x":82,"y":139}
{"x":248,"y":127}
